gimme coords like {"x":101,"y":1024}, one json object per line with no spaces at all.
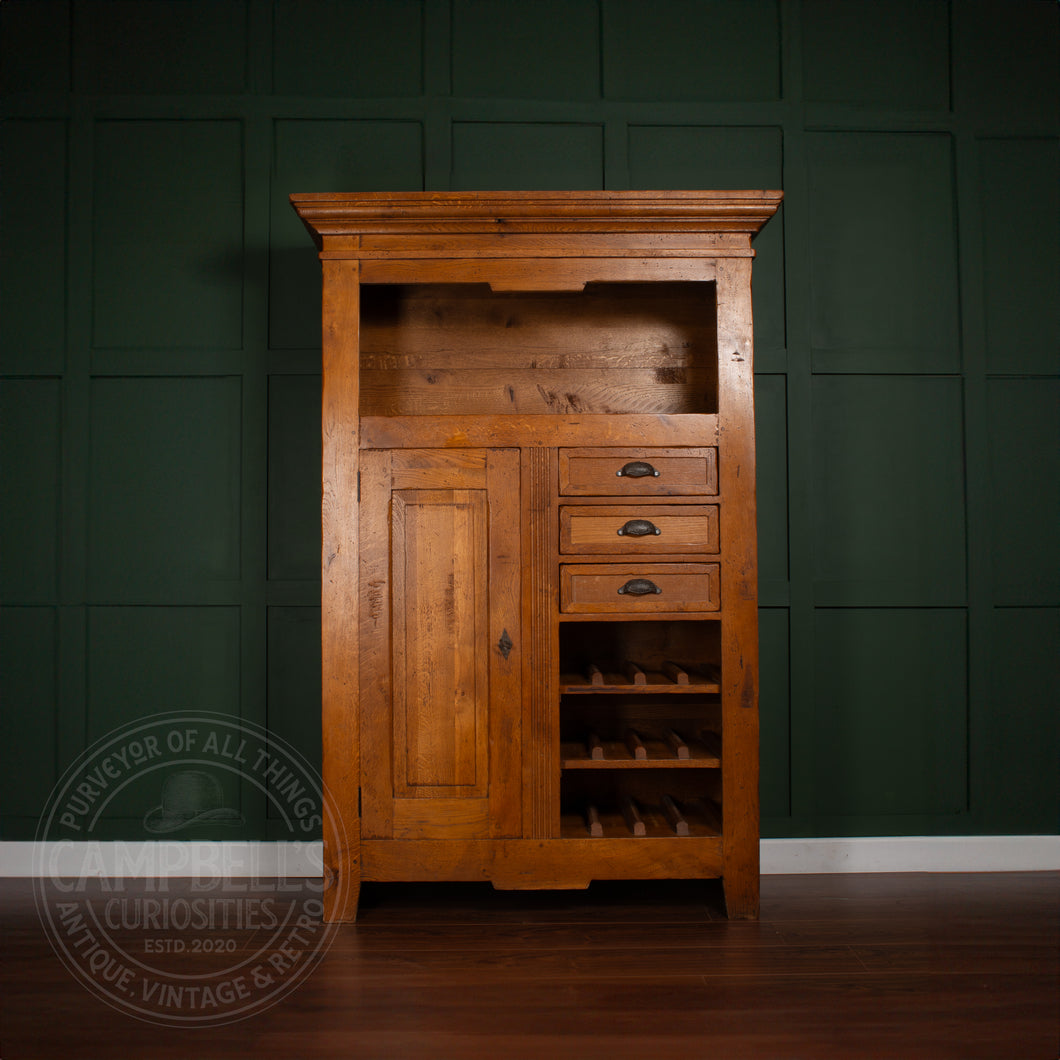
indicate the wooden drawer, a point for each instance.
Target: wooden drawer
{"x":636,"y":472}
{"x":635,"y":530}
{"x":637,"y":588}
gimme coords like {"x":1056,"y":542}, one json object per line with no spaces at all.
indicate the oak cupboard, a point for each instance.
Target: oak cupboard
{"x":538,"y":531}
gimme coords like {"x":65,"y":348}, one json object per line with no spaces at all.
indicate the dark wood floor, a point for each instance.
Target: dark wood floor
{"x":859,"y":966}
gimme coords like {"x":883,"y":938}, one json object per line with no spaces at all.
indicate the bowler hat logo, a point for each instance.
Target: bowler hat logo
{"x":190,"y":797}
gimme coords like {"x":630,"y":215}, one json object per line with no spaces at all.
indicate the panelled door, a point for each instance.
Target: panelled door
{"x":440,"y":699}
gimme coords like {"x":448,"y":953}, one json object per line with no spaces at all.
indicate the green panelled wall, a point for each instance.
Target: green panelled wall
{"x":159,"y":334}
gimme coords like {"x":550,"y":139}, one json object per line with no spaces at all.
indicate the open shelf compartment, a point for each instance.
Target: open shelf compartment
{"x":654,"y":805}
{"x":432,"y":349}
{"x":639,"y":657}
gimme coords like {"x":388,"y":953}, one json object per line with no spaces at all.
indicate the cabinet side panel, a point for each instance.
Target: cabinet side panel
{"x":339,"y":552}
{"x":739,"y":647}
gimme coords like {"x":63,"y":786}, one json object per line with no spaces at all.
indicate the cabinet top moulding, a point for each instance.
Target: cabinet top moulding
{"x":336,"y":221}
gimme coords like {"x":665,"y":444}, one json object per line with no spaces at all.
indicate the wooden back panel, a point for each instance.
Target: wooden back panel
{"x":437,"y":349}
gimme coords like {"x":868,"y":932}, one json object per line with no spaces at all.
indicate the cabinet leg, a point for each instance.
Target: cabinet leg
{"x":341,"y":896}
{"x":741,"y":896}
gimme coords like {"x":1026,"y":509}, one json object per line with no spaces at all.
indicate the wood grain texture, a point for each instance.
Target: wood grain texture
{"x":588,"y":472}
{"x":621,"y":530}
{"x":549,"y":245}
{"x":340,"y":545}
{"x":452,"y":431}
{"x":506,"y":643}
{"x":415,"y":213}
{"x":540,"y":776}
{"x":739,"y":649}
{"x":596,"y":588}
{"x":658,"y":752}
{"x":536,"y":274}
{"x":376,"y":724}
{"x":442,"y":569}
{"x":570,"y":862}
{"x":490,"y":383}
{"x":439,"y":681}
{"x":559,"y":391}
{"x":923,"y":967}
{"x":467,"y":326}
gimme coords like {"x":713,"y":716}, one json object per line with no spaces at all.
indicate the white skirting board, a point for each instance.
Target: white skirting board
{"x":980,"y":853}
{"x":1019,"y":853}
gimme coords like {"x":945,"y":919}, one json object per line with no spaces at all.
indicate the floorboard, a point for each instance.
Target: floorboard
{"x":855,"y":966}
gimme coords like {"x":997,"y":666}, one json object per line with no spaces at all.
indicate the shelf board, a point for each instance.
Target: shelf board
{"x":654,"y":683}
{"x":701,"y":818}
{"x":702,"y":754}
{"x":596,"y":430}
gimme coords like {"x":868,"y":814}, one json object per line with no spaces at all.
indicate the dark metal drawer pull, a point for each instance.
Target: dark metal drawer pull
{"x":639,"y":587}
{"x":637,"y":469}
{"x":638,"y":528}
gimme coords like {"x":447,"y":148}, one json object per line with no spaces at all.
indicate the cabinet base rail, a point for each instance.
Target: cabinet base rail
{"x":542,"y":863}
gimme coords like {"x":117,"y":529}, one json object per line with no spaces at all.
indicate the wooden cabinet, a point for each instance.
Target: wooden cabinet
{"x":539,"y":582}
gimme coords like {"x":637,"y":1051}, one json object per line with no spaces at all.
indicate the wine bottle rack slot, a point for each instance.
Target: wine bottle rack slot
{"x":636,"y":818}
{"x":631,"y":676}
{"x":639,"y":748}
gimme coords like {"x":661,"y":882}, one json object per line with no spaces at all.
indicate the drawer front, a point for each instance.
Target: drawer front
{"x":639,"y":588}
{"x":638,"y":472}
{"x":647,"y":529}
